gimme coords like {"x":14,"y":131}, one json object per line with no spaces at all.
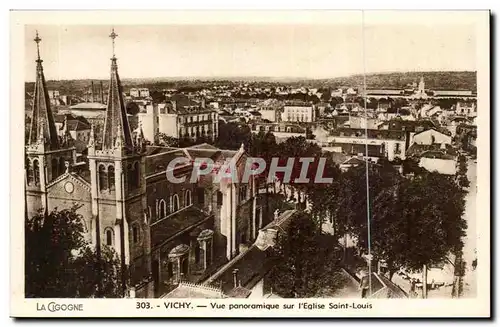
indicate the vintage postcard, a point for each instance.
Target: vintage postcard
{"x":250,"y":164}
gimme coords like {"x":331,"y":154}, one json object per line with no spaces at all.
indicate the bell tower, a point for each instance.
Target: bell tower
{"x":47,"y":154}
{"x":118,"y":187}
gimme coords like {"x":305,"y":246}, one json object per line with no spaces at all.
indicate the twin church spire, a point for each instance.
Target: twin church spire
{"x":116,"y":130}
{"x":42,"y":128}
{"x":116,"y":126}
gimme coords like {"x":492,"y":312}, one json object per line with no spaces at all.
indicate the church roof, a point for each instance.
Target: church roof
{"x":159,"y":162}
{"x":252,"y":265}
{"x":42,"y":121}
{"x":182,"y":220}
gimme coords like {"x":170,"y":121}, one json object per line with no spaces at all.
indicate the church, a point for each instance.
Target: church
{"x":164,"y":233}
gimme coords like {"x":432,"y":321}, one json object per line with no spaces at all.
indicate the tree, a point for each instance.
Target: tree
{"x":416,"y":222}
{"x":232,"y":135}
{"x":301,"y":260}
{"x":461,"y":175}
{"x":157,"y":96}
{"x":411,"y":166}
{"x":132,"y":108}
{"x":263,"y":145}
{"x":60,"y":264}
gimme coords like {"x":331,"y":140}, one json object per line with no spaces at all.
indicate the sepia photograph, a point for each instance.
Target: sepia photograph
{"x":254,"y":161}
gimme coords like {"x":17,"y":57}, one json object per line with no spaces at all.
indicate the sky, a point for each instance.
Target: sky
{"x":301,"y":50}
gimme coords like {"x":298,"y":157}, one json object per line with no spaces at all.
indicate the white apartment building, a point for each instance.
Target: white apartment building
{"x":190,"y":122}
{"x":298,"y":112}
{"x":139,"y":92}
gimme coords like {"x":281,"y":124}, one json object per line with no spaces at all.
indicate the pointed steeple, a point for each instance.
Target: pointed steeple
{"x":116,"y":122}
{"x":42,"y":120}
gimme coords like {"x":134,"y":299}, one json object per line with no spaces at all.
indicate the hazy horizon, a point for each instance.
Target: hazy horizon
{"x":246,"y":78}
{"x":248,"y":51}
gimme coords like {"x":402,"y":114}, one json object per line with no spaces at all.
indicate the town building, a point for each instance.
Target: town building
{"x":139,"y":93}
{"x":180,"y":118}
{"x":269,"y":114}
{"x":235,"y":279}
{"x":431,"y":136}
{"x":466,"y":109}
{"x":281,"y":131}
{"x":298,"y":112}
{"x":453,"y":93}
{"x":441,"y":158}
{"x":380,"y":143}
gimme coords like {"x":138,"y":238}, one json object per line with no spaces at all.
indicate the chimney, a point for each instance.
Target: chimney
{"x":235,"y":278}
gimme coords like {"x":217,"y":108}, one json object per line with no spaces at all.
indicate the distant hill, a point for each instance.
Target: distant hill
{"x":446,"y":80}
{"x":453,"y":80}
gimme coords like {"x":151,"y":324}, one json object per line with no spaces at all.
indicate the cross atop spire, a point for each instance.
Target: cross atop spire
{"x":113,"y":36}
{"x":42,"y":121}
{"x":37,"y":40}
{"x":116,"y":124}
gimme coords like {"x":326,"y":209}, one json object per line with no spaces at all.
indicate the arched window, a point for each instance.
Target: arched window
{"x":29,"y":172}
{"x":162,"y":209}
{"x":133,"y":175}
{"x":109,"y":237}
{"x":111,"y":177}
{"x":209,"y":252}
{"x":184,"y":267}
{"x":54,"y":167}
{"x":62,"y":166}
{"x":219,"y":198}
{"x":36,"y":172}
{"x":103,"y":181}
{"x":197,"y":256}
{"x":175,"y":203}
{"x":130,"y":177}
{"x":187,"y":198}
{"x":137,"y":170}
{"x":170,"y":269}
{"x":135,"y":233}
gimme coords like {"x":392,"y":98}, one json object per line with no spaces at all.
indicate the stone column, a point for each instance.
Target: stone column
{"x":205,"y":239}
{"x":233,"y":220}
{"x":95,"y":209}
{"x":118,"y":240}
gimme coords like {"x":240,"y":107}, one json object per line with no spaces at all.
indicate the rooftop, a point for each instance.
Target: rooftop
{"x":89,"y":106}
{"x":162,"y":230}
{"x":372,"y":133}
{"x":187,"y":290}
{"x":252,"y":265}
{"x":419,"y":149}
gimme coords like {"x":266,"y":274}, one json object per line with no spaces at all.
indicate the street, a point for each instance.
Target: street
{"x":470,"y":239}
